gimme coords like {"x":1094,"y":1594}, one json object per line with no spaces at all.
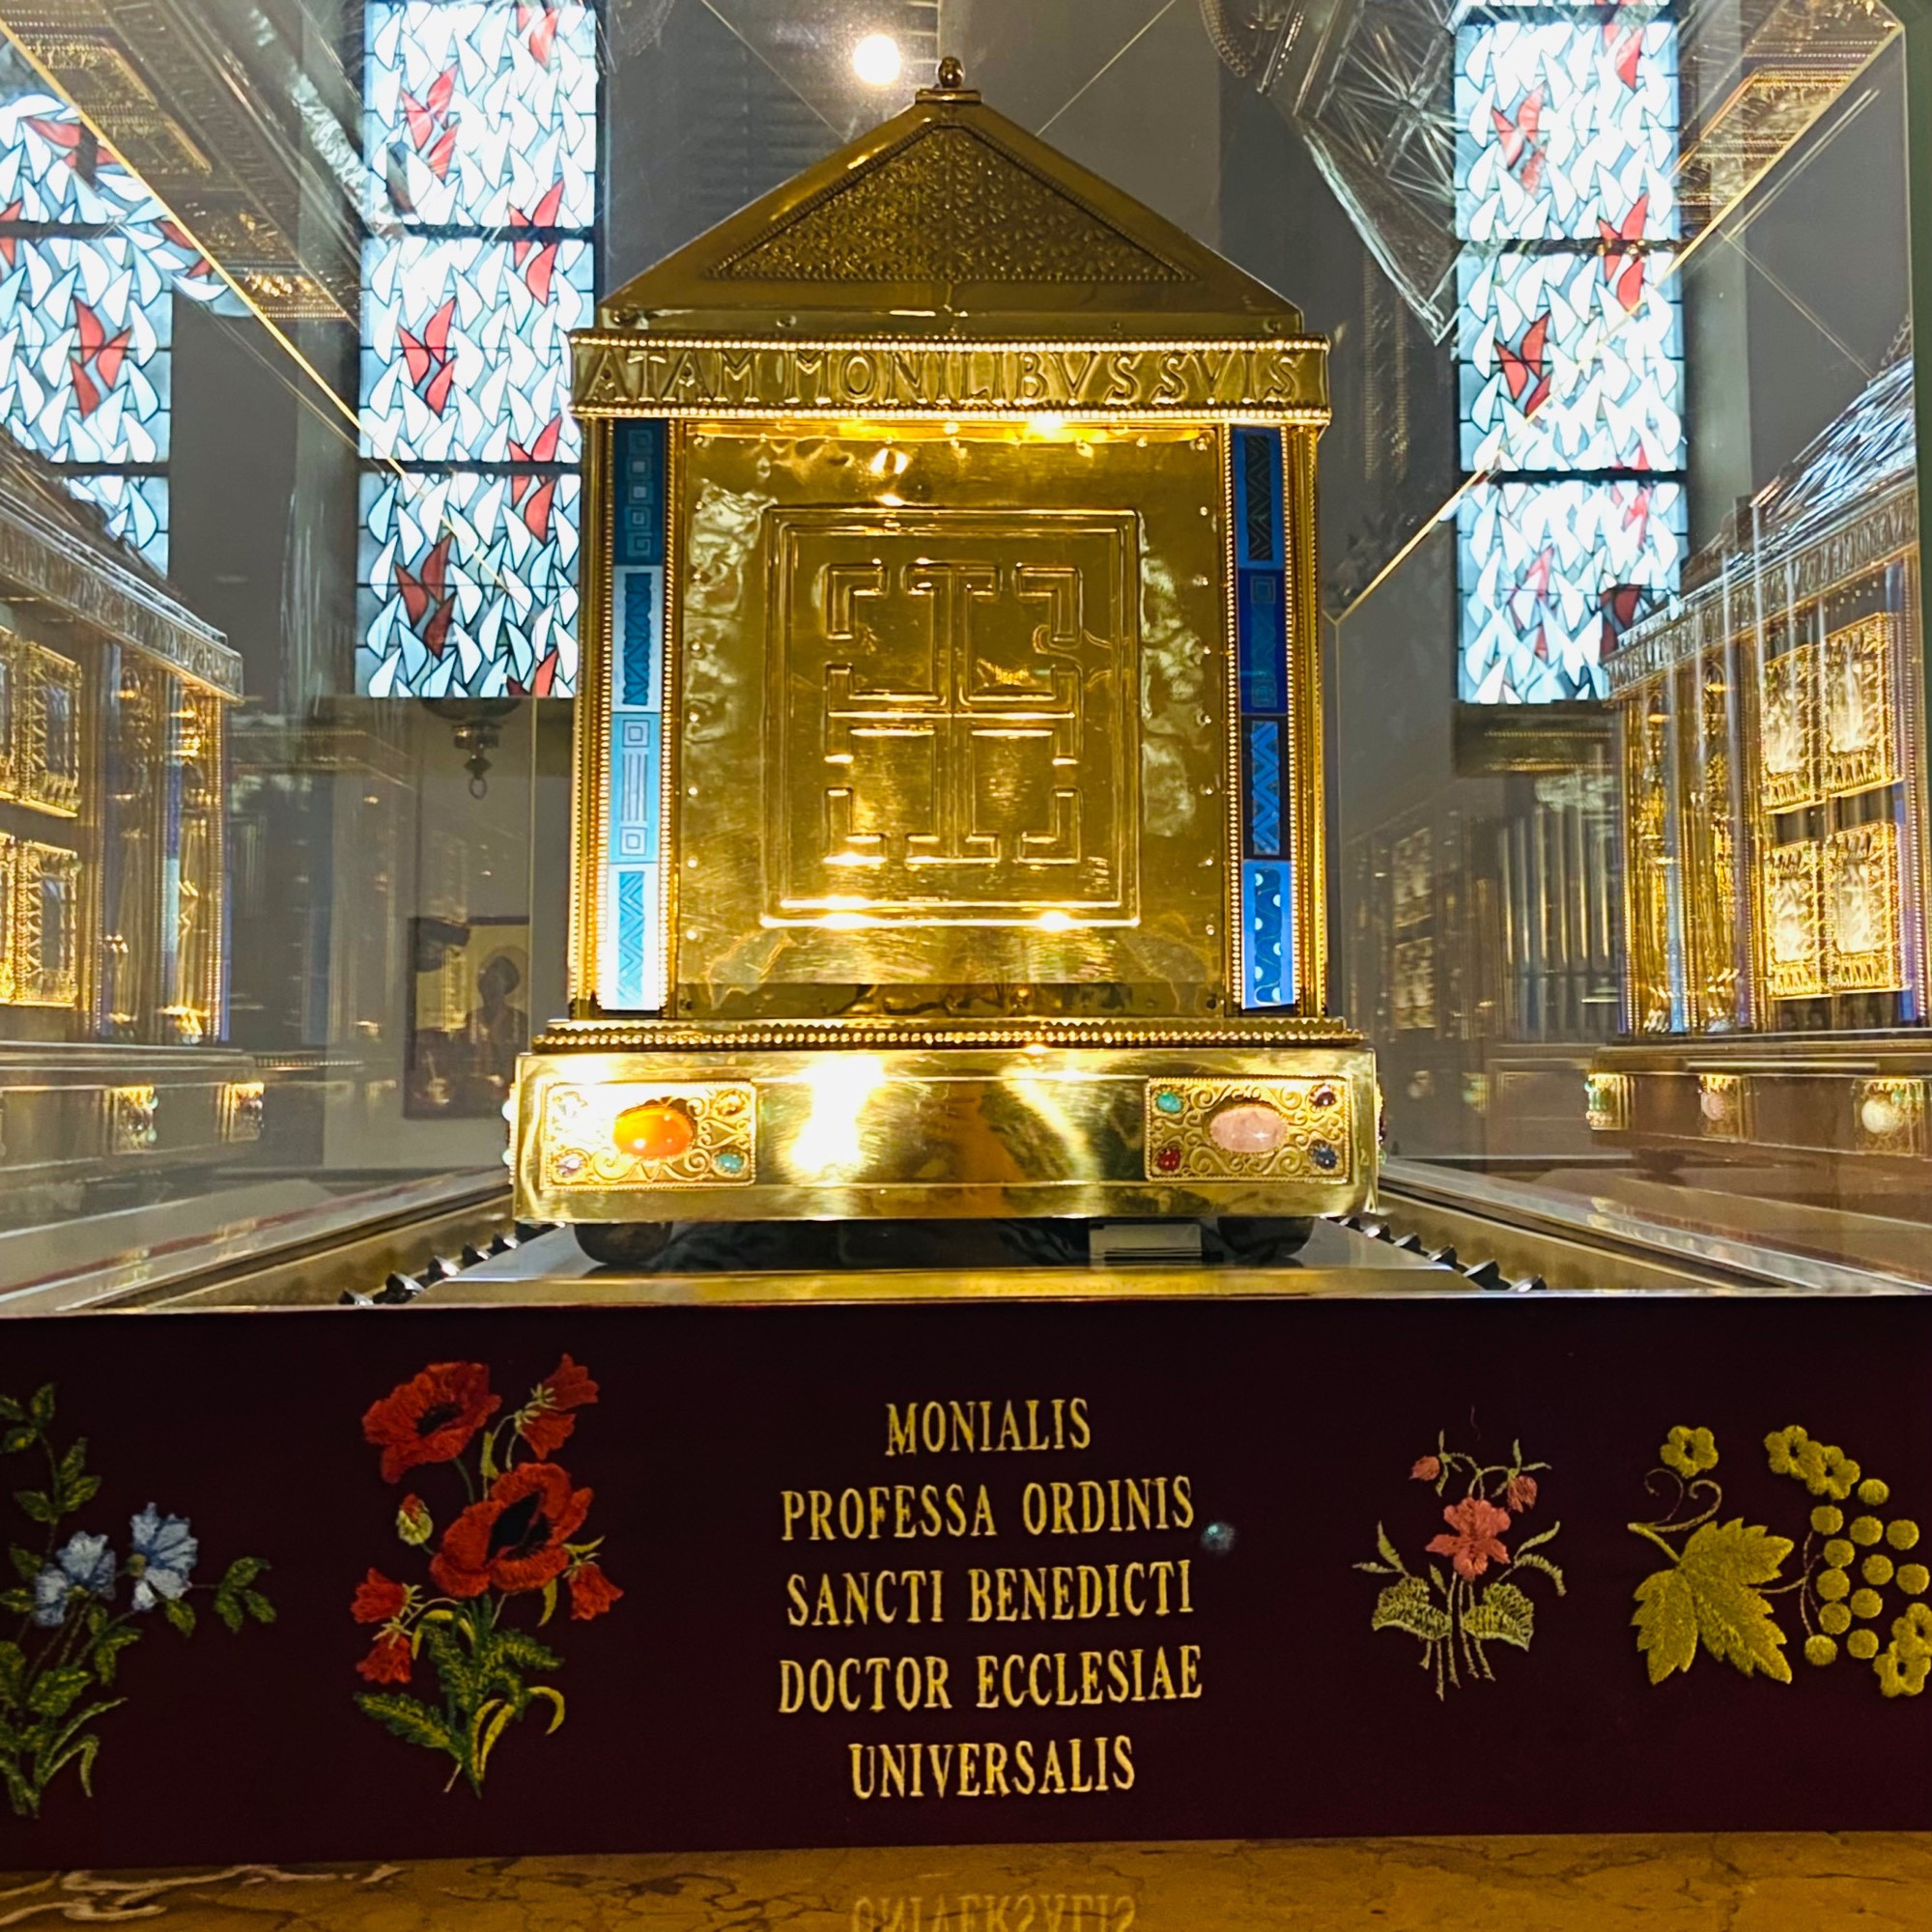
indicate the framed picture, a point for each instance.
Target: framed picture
{"x":469,"y":1015}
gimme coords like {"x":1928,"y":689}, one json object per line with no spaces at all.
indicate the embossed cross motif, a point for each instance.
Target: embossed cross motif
{"x":967,"y":703}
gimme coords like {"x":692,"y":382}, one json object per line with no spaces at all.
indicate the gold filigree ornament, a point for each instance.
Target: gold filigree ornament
{"x":1788,"y":737}
{"x":1860,"y":909}
{"x":1888,"y":1115}
{"x":1723,"y":1575}
{"x":1249,"y":1129}
{"x":693,"y":1133}
{"x":1857,"y":738}
{"x":1793,"y":920}
{"x":1607,"y":1100}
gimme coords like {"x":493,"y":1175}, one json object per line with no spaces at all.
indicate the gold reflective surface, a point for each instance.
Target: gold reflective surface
{"x":946,"y":1130}
{"x":952,"y":699}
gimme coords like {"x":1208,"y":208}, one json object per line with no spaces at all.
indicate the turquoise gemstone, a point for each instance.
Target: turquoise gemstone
{"x":1167,"y":1101}
{"x":730,"y":1164}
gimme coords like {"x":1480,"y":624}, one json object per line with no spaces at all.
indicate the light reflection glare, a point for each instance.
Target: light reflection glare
{"x":875,"y":60}
{"x":842,"y":1085}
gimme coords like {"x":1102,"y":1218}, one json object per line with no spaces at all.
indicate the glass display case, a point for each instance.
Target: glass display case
{"x":930,"y":772}
{"x":1598,"y":726}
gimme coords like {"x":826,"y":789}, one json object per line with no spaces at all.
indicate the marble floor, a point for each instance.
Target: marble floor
{"x":1738,"y":1883}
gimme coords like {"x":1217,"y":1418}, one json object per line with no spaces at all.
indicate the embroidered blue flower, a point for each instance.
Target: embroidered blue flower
{"x":162,"y":1555}
{"x":85,"y":1563}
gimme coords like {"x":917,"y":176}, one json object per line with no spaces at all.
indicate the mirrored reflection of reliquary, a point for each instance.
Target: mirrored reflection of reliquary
{"x":948,"y":815}
{"x":1774,"y":820}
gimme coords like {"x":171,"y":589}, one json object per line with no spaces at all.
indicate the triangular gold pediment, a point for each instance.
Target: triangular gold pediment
{"x":947,"y":205}
{"x":948,"y":219}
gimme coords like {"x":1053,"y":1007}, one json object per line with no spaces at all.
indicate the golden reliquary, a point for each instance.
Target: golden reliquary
{"x":949,"y":801}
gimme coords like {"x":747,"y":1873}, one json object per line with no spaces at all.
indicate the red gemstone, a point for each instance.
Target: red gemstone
{"x":1167,"y":1159}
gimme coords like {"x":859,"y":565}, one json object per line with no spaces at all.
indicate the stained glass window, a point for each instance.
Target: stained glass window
{"x":1569,"y":342}
{"x":89,"y":264}
{"x":481,"y":129}
{"x":469,"y":583}
{"x":1554,"y":572}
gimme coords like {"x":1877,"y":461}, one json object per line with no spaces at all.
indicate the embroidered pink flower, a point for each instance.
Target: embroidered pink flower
{"x":1520,"y":1493}
{"x":1427,"y":1468}
{"x":1477,"y":1525}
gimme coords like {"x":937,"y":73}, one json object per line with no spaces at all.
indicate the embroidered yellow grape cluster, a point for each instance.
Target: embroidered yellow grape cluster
{"x":1858,"y":1562}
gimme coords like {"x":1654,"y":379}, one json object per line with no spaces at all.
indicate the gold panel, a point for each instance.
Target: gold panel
{"x":583,"y":1137}
{"x":960,"y":1130}
{"x":956,"y":706}
{"x":1724,"y":1106}
{"x":40,"y":726}
{"x":1793,"y":920}
{"x":1646,"y":870}
{"x":1788,"y":730}
{"x":1413,"y":877}
{"x":131,"y":1118}
{"x":1709,"y":839}
{"x":44,"y":941}
{"x":1310,"y":1116}
{"x":1888,"y":1115}
{"x":1861,"y":904}
{"x":1858,"y":735}
{"x":1606,"y":1102}
{"x":980,"y":767}
{"x":240,"y":1110}
{"x":1412,"y":993}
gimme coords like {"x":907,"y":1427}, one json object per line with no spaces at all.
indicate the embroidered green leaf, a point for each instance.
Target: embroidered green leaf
{"x":1387,"y":1550}
{"x":1709,"y":1594}
{"x":37,"y":1505}
{"x":1530,"y":1543}
{"x":14,"y":1440}
{"x":1530,"y":1560}
{"x":1503,"y":1615}
{"x":26,"y":1565}
{"x":12,"y":1674}
{"x":410,"y":1719}
{"x":107,"y":1649}
{"x":41,"y":1409}
{"x":179,"y":1614}
{"x":54,"y":1691}
{"x":518,"y":1647}
{"x":11,"y":1411}
{"x":258,"y":1606}
{"x":1407,"y":1606}
{"x":20,"y":1601}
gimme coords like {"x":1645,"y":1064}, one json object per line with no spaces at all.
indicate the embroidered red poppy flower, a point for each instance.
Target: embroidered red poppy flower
{"x":513,"y":1539}
{"x":1477,"y":1525}
{"x":377,"y":1598}
{"x":388,"y":1659}
{"x":1520,"y":1493}
{"x":591,"y":1592}
{"x":430,"y":1417}
{"x":544,"y":1421}
{"x":1426,"y":1469}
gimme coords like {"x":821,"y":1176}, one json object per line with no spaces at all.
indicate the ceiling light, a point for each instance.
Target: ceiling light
{"x":875,"y":60}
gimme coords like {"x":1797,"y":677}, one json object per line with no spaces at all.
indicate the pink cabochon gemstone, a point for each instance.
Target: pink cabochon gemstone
{"x":1247,"y":1128}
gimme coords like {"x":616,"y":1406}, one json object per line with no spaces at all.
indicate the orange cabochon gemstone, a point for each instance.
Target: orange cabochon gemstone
{"x":658,"y":1130}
